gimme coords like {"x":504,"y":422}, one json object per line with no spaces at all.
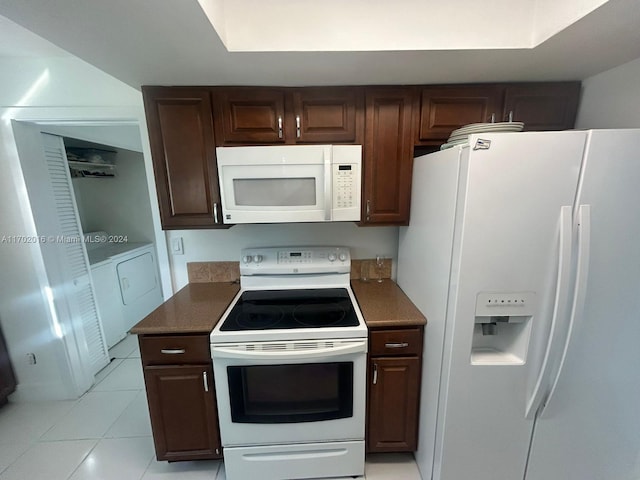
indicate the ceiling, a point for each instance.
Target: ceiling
{"x":16,"y":41}
{"x":171,"y":42}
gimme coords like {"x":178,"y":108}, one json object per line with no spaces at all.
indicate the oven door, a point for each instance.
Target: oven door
{"x":290,"y":391}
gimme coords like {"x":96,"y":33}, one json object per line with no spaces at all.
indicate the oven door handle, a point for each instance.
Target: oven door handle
{"x":303,"y":350}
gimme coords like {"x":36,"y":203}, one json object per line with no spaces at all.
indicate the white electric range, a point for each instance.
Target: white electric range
{"x":289,"y":359}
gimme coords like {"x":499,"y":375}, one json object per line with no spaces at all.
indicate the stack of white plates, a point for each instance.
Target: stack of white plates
{"x":461,"y":135}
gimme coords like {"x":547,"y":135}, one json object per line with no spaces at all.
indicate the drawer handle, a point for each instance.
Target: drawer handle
{"x":375,"y":373}
{"x":205,"y":380}
{"x":396,"y":345}
{"x":173,"y":351}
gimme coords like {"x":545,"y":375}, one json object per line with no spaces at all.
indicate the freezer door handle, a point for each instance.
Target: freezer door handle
{"x":559,"y":311}
{"x":582,"y":275}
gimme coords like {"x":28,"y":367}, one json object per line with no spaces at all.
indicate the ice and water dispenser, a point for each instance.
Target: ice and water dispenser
{"x":502,"y":327}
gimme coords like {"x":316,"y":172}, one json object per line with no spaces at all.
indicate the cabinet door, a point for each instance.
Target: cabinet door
{"x":250,"y":115}
{"x":7,"y":378}
{"x":394,"y":393}
{"x":446,"y":108}
{"x":183,"y":411}
{"x":388,"y":156}
{"x":543,"y":106}
{"x":327,"y":115}
{"x":180,"y":126}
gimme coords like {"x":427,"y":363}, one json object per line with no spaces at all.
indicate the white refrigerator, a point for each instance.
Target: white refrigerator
{"x":523,"y":252}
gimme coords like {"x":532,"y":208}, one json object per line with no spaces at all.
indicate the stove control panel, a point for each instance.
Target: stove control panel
{"x":303,"y":256}
{"x":295,"y":260}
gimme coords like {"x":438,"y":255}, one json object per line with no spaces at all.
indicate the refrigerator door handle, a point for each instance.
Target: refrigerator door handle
{"x":582,"y":275}
{"x":559,"y":310}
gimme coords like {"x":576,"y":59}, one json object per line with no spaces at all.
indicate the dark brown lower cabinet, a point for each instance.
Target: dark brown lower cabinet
{"x":393,"y":406}
{"x":394,"y":390}
{"x":181,"y":397}
{"x":183,"y":412}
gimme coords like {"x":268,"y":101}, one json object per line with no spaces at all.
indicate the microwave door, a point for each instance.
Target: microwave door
{"x":273,"y":193}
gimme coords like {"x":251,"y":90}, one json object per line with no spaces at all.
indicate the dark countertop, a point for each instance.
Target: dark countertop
{"x":194,"y":309}
{"x":197,"y":307}
{"x":386,"y":305}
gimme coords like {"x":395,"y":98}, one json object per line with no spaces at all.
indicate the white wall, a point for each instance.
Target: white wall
{"x":117,"y":205}
{"x":118,"y":136}
{"x":70,"y":91}
{"x":611,"y":99}
{"x":225,"y":245}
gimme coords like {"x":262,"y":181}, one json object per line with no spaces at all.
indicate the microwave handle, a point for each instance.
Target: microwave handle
{"x":328,"y":180}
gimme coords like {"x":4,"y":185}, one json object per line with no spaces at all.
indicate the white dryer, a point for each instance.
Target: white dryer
{"x":127,"y":284}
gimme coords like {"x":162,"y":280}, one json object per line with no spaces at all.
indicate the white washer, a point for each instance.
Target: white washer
{"x":140,"y":292}
{"x":126,"y":281}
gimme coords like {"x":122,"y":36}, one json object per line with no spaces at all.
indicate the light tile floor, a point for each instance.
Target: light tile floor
{"x":106,"y":435}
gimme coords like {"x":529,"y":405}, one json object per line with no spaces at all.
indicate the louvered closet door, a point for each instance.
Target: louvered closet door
{"x":81,"y":298}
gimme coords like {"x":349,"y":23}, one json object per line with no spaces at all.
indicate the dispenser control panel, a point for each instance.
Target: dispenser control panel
{"x":517,"y":304}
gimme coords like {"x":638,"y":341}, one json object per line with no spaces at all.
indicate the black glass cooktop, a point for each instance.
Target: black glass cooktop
{"x":271,"y":309}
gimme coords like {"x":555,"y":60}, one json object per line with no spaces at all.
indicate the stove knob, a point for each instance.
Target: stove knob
{"x":257,"y":258}
{"x":342,"y":257}
{"x":246,"y":259}
{"x":332,"y":257}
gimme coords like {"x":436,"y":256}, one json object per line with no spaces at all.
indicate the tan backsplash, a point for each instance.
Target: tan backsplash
{"x":356,"y":268}
{"x":205,"y":272}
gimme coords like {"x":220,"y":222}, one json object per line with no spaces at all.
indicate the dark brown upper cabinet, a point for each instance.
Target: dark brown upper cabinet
{"x":327,"y":115}
{"x":180,"y":124}
{"x":387,"y":120}
{"x":448,"y":107}
{"x":542,"y":106}
{"x":249,"y":115}
{"x":388,"y":155}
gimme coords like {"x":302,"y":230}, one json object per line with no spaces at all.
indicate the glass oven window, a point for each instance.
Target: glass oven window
{"x":274,"y":192}
{"x":291,"y":393}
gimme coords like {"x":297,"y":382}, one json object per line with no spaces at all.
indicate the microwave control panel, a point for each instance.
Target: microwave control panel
{"x":345,"y":191}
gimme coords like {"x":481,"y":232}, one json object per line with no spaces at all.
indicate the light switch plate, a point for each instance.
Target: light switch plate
{"x":177,"y":247}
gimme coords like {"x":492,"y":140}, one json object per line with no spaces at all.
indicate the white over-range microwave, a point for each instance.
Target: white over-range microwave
{"x":290,"y":183}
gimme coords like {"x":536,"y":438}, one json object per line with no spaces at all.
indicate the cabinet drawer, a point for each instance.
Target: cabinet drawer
{"x":396,"y":342}
{"x":174,"y":349}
